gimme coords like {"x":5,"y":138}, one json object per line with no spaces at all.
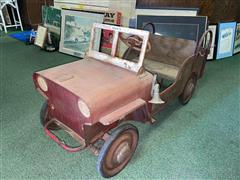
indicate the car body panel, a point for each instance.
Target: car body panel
{"x":102,"y":86}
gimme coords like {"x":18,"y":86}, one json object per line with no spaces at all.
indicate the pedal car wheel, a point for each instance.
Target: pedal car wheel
{"x":44,"y":117}
{"x":189,"y":88}
{"x":117,"y":150}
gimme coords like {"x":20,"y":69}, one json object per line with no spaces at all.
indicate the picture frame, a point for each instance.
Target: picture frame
{"x":83,"y":5}
{"x":226,"y":34}
{"x":76,"y":30}
{"x":213,"y":28}
{"x":185,"y":27}
{"x":41,"y":36}
{"x":236,"y":48}
{"x":167,"y":11}
{"x":112,"y":18}
{"x":51,"y":19}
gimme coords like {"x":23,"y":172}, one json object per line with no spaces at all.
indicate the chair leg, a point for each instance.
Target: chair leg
{"x":19,"y":17}
{"x":3,"y":21}
{"x":14,"y":17}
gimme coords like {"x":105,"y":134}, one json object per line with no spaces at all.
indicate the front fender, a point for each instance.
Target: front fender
{"x":122,"y":112}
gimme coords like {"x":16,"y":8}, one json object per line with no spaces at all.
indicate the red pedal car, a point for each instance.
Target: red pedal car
{"x":94,"y":99}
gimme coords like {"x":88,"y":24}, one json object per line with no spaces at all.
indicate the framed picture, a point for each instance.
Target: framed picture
{"x":185,"y":27}
{"x":169,"y":11}
{"x":51,"y":19}
{"x":76,"y":31}
{"x":213,"y":28}
{"x":226,"y":33}
{"x":237,"y":40}
{"x":83,"y":5}
{"x":41,"y":36}
{"x":113,"y":18}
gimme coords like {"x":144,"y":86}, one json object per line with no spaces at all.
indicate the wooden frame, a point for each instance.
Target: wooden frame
{"x":41,"y":36}
{"x":115,"y":60}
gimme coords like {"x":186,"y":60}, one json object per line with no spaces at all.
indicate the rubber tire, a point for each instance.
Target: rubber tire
{"x":182,"y":98}
{"x":107,"y":145}
{"x":44,"y":117}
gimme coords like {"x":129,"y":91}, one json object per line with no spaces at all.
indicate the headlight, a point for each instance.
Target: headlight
{"x":84,"y":108}
{"x":42,"y":83}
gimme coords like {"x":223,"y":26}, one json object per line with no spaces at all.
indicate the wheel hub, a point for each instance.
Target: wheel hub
{"x":122,"y":152}
{"x":190,"y":88}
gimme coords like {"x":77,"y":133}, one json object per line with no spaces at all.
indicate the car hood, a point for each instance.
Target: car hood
{"x":102,"y":86}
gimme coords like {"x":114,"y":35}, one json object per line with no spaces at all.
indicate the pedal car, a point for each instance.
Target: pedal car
{"x":92,"y":99}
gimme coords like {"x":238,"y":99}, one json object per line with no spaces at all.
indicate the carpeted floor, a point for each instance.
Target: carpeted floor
{"x":197,"y":141}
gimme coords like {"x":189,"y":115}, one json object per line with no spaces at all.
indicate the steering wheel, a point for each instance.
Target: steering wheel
{"x":149,"y":27}
{"x":135,"y":42}
{"x":204,"y":44}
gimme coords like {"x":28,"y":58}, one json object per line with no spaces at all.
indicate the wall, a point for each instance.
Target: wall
{"x":31,"y":11}
{"x":216,"y":10}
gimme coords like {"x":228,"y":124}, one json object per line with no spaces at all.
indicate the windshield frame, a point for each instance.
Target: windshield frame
{"x":112,"y":59}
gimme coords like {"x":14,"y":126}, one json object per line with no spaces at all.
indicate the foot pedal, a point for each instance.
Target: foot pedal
{"x":153,"y":120}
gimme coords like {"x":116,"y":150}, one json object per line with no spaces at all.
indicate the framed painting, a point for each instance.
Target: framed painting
{"x":226,"y":33}
{"x":213,"y":28}
{"x":41,"y":36}
{"x":185,"y":27}
{"x":51,"y":19}
{"x":76,"y":31}
{"x":237,"y":40}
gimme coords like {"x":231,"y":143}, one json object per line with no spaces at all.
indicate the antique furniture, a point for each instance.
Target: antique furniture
{"x":92,"y":99}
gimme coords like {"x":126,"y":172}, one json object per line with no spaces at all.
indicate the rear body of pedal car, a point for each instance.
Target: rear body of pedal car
{"x":91,"y":98}
{"x":177,"y":61}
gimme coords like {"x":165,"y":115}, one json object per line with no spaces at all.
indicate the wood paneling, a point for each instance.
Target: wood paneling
{"x":216,"y":10}
{"x":31,"y":11}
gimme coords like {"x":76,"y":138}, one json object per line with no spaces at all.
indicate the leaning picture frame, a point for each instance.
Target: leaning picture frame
{"x":236,"y":48}
{"x":213,"y":28}
{"x":184,"y":27}
{"x":226,"y":33}
{"x":167,"y":11}
{"x":51,"y":19}
{"x":41,"y":36}
{"x":76,"y":30}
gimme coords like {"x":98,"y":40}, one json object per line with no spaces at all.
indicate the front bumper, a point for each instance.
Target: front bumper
{"x":60,"y":142}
